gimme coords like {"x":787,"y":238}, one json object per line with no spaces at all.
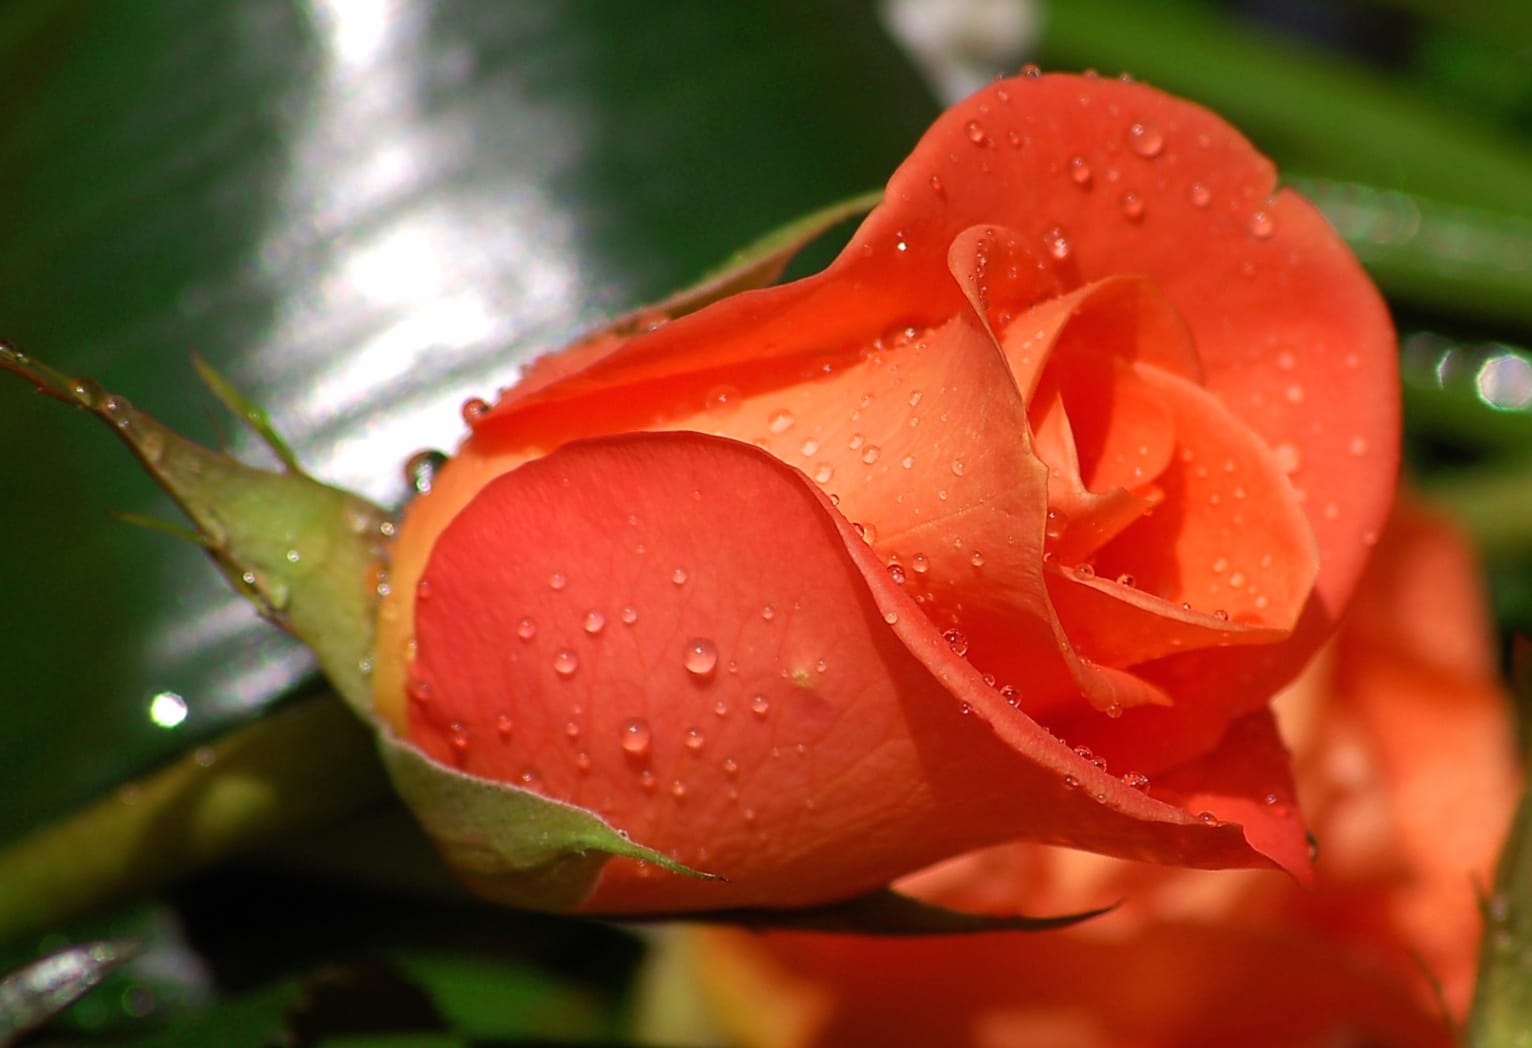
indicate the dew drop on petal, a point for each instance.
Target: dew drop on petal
{"x":700,"y":657}
{"x":1136,"y":780}
{"x":891,"y":617}
{"x":1146,"y":140}
{"x":695,"y":739}
{"x":1207,"y":817}
{"x":1262,"y":225}
{"x":558,"y":580}
{"x":759,"y":705}
{"x":635,"y":736}
{"x":809,"y":447}
{"x":957,"y":641}
{"x":1056,"y":243}
{"x":1289,"y":458}
{"x":565,"y":663}
{"x":594,"y":621}
{"x":474,"y":408}
{"x":1200,"y":195}
{"x":1079,"y":171}
{"x":1132,"y":206}
{"x":722,"y":399}
{"x":870,"y":455}
{"x":920,"y":564}
{"x":629,"y":615}
{"x":678,"y":576}
{"x":975,"y":132}
{"x":504,"y":725}
{"x":782,"y":421}
{"x":526,"y":629}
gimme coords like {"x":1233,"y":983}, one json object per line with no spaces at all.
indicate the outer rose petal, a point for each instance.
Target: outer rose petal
{"x":1406,"y":758}
{"x":811,"y":750}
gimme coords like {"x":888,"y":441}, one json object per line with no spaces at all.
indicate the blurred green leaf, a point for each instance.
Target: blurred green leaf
{"x":361,"y":216}
{"x":1310,"y":109}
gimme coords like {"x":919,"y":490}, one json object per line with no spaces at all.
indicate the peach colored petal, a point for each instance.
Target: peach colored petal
{"x":754,"y":724}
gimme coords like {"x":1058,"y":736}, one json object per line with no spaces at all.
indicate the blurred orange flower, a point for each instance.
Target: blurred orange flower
{"x":1404,"y":760}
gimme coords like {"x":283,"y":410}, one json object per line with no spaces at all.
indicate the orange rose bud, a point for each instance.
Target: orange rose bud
{"x":1006,"y":525}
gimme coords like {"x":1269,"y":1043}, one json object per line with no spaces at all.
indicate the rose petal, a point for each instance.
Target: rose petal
{"x":904,"y":751}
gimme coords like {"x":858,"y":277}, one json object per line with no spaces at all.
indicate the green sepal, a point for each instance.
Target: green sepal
{"x":306,"y":554}
{"x":509,"y":844}
{"x":754,"y":266}
{"x":887,"y":913}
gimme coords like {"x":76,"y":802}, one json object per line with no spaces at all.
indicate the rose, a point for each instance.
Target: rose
{"x":1405,"y":753}
{"x":1005,"y":525}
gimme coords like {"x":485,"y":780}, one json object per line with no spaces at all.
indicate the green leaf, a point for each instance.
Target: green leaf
{"x":508,"y":844}
{"x":361,"y":221}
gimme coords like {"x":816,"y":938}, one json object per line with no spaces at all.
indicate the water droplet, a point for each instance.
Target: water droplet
{"x":957,"y":641}
{"x":629,"y":615}
{"x":1070,"y":782}
{"x":908,"y":462}
{"x":1079,"y":171}
{"x":695,"y":739}
{"x":678,"y":576}
{"x":1289,"y":458}
{"x":920,"y":564}
{"x":558,"y":580}
{"x":1056,"y":243}
{"x":896,"y":572}
{"x":722,"y":399}
{"x":677,"y":788}
{"x":759,"y":705}
{"x":958,"y":468}
{"x":1262,"y":225}
{"x":526,"y":629}
{"x":595,"y":622}
{"x":856,"y":441}
{"x":809,"y":447}
{"x":1201,"y":196}
{"x":936,"y":185}
{"x":565,"y":663}
{"x":504,"y":725}
{"x":1220,"y":615}
{"x":1207,"y":817}
{"x":474,"y":408}
{"x":1014,"y":137}
{"x":572,"y":729}
{"x":701,"y":657}
{"x":1136,"y":780}
{"x":782,"y":421}
{"x":459,"y":732}
{"x":1085,"y":571}
{"x":870,"y":455}
{"x":1132,"y":206}
{"x":977,"y":560}
{"x":1125,"y":579}
{"x":635,"y":736}
{"x":975,"y":132}
{"x":768,"y":612}
{"x":891,"y":617}
{"x":1146,"y":140}
{"x":421,"y":469}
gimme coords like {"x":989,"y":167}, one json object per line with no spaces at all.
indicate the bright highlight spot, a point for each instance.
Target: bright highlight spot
{"x":167,"y":709}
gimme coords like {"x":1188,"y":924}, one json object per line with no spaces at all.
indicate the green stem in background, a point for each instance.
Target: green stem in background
{"x":1493,"y":503}
{"x":1310,"y":109}
{"x":1442,"y":257}
{"x":303,"y":767}
{"x":1502,"y":1006}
